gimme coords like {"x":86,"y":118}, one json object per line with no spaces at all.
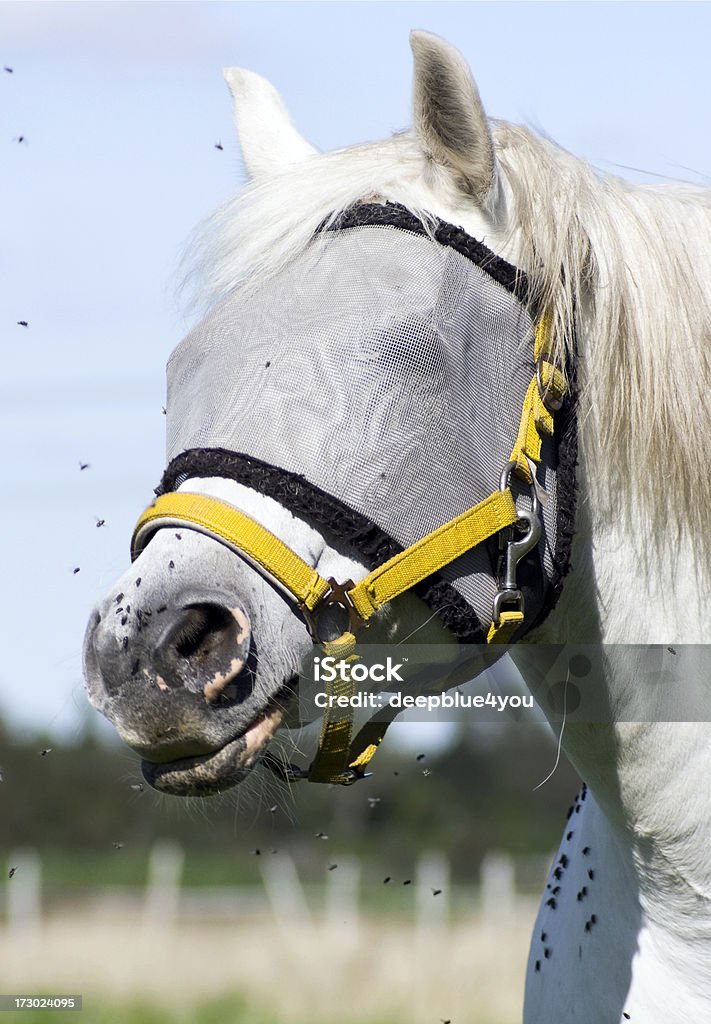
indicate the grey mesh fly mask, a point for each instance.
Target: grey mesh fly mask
{"x":374,"y":386}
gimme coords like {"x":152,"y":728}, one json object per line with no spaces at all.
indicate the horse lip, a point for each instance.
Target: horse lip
{"x":174,"y":750}
{"x":224,"y":766}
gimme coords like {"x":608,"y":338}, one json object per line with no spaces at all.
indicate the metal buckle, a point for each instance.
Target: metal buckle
{"x":284,"y":770}
{"x":550,"y":401}
{"x":351,"y":775}
{"x":338,"y":597}
{"x":516,"y":549}
{"x":289,"y":772}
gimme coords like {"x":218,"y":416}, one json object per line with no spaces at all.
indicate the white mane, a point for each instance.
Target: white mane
{"x":626,"y":265}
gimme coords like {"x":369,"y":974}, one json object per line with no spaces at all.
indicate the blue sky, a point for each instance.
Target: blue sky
{"x":121,"y":105}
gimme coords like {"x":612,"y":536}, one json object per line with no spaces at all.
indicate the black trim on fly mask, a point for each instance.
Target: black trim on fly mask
{"x":394,"y":215}
{"x":330,"y":515}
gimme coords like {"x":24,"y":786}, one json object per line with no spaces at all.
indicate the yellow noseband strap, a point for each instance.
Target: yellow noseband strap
{"x":239,"y":532}
{"x":337,"y":760}
{"x":266,"y":552}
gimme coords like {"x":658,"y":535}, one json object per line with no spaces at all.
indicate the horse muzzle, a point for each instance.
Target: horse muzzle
{"x":178,"y":683}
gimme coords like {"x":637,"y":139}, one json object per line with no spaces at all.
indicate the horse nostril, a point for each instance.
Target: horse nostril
{"x":205,"y":646}
{"x":202,"y":630}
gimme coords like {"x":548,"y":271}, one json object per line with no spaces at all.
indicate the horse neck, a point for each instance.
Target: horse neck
{"x":639,"y":579}
{"x":646,"y":607}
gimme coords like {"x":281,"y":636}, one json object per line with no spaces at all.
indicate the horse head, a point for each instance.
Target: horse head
{"x":359,"y":299}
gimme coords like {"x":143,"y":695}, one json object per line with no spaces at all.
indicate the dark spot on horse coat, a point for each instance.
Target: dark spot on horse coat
{"x":586,"y":851}
{"x":537,"y":966}
{"x":551,"y":903}
{"x":591,"y":874}
{"x":547,"y":953}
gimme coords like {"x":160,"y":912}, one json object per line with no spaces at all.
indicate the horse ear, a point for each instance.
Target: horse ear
{"x":266,"y":134}
{"x":449,"y":118}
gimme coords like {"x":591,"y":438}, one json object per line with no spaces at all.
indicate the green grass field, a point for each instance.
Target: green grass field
{"x":234,"y":1010}
{"x":265,"y":971}
{"x":227,"y":1010}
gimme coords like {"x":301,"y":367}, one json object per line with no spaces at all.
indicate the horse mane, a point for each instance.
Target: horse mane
{"x":622,"y":267}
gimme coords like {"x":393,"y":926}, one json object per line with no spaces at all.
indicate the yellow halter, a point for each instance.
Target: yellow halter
{"x":339,"y":759}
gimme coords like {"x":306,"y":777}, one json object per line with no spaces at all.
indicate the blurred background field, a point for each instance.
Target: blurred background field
{"x":316,"y":904}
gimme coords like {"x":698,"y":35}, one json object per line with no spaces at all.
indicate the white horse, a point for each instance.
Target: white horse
{"x":191,"y":652}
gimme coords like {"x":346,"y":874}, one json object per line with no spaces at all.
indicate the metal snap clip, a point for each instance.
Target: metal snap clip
{"x":551,"y":401}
